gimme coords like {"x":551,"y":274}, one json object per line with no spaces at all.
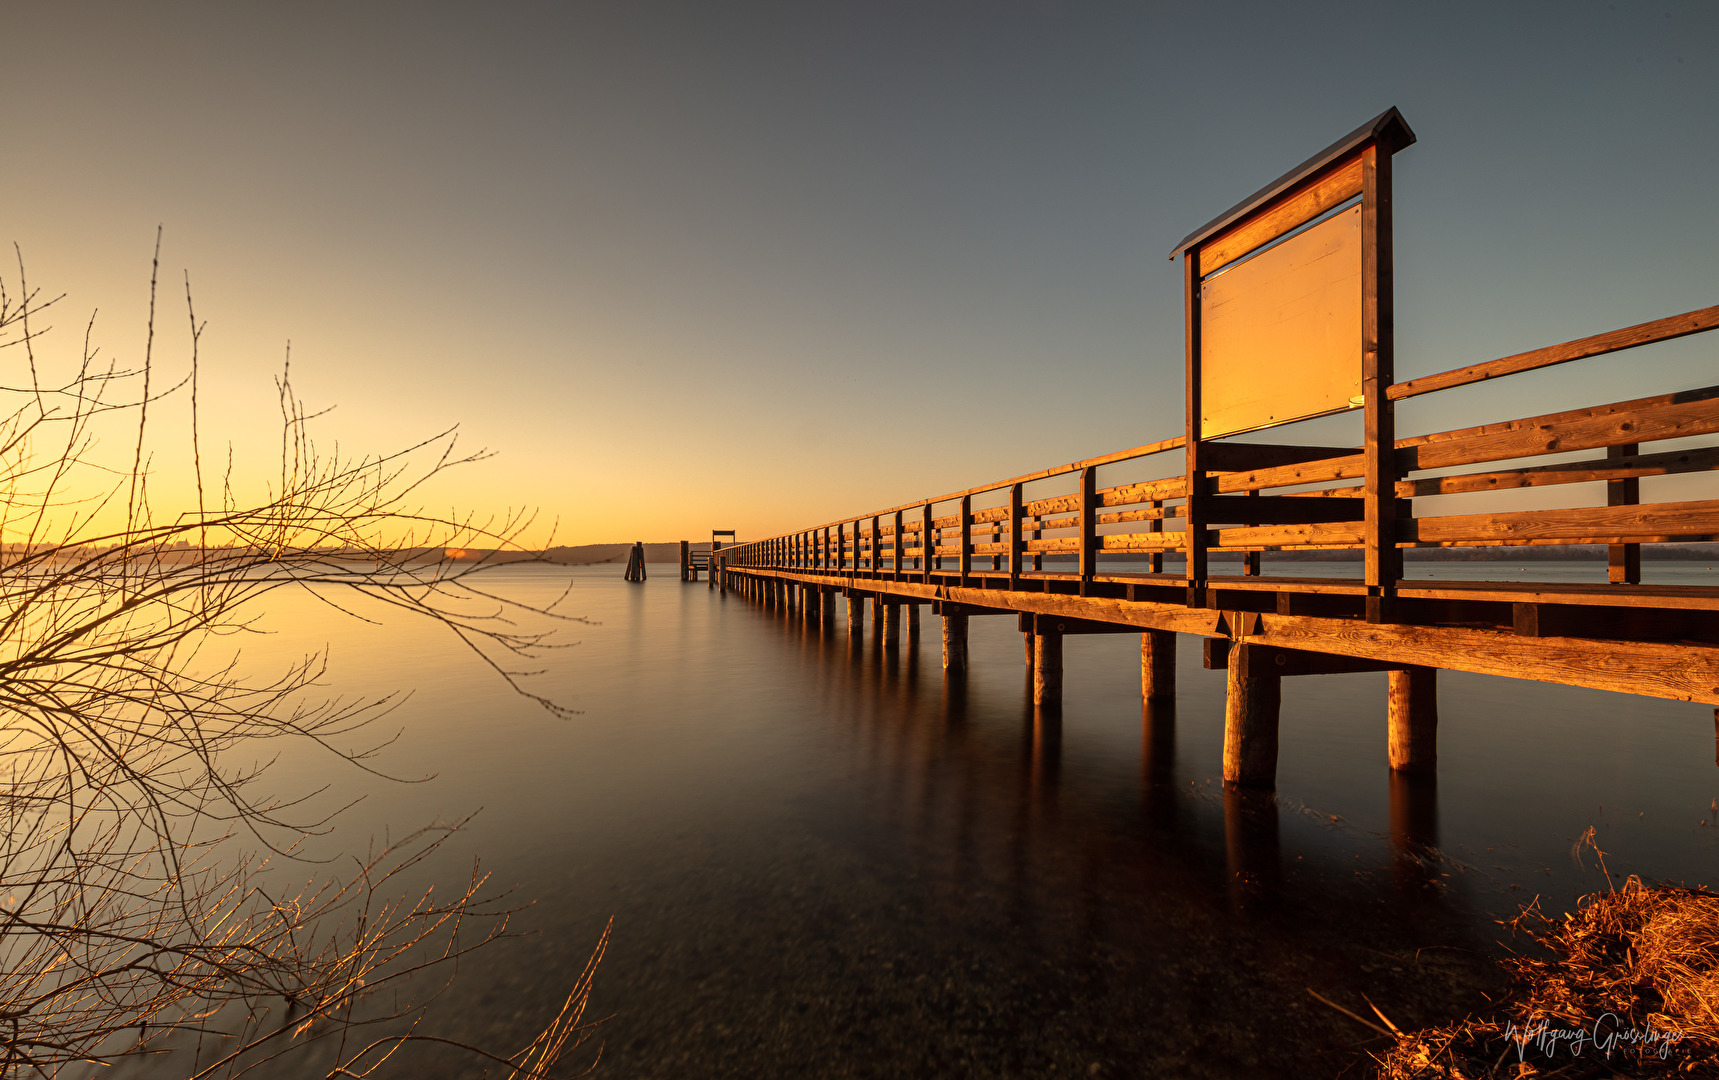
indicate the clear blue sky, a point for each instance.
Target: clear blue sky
{"x":762,"y":265}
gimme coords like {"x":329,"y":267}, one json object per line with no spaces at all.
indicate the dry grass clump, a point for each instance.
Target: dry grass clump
{"x":1627,"y":985}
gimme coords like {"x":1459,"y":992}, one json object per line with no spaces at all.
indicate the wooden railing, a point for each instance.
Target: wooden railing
{"x":1271,"y":497}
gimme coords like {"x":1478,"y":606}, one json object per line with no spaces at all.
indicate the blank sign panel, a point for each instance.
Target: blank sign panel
{"x":1280,"y":333}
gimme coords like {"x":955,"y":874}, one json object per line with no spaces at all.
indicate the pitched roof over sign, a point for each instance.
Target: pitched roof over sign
{"x":1388,"y":127}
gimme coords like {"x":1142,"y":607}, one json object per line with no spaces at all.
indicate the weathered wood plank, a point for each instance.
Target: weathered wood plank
{"x":1353,"y":467}
{"x":1663,"y":416}
{"x":1154,"y":513}
{"x":1621,"y":467}
{"x":1319,"y":534}
{"x":1335,"y":188}
{"x":1682,"y":672}
{"x":1645,"y":523}
{"x":1055,"y":543}
{"x":1674,"y":326}
{"x":1152,"y":541}
{"x":1170,"y":487}
{"x":1670,"y":597}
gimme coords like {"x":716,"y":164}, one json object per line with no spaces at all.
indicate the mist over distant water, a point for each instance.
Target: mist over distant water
{"x":825,"y":859}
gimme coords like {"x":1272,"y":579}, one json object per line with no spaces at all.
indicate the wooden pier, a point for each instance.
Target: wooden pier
{"x":1091,"y":557}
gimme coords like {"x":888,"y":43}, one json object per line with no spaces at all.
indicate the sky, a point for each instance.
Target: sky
{"x":760,"y":266}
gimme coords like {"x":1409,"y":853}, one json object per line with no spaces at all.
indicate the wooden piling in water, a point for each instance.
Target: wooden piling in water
{"x":1158,"y":665}
{"x":856,"y":614}
{"x":913,"y":624}
{"x":955,"y":642}
{"x":1027,"y":637}
{"x":891,"y":625}
{"x":1251,"y":703}
{"x":1047,"y":668}
{"x":1413,"y":721}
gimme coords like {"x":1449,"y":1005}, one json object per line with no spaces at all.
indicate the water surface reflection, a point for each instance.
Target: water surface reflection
{"x":826,"y":857}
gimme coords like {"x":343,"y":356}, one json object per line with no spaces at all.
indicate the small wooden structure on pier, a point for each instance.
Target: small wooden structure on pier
{"x":694,"y":561}
{"x":1321,"y":235}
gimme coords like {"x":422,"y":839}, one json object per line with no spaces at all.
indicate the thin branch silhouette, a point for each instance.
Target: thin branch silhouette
{"x":132,"y":919}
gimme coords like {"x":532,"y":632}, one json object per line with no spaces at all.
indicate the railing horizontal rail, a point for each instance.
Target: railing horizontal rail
{"x":1666,"y":329}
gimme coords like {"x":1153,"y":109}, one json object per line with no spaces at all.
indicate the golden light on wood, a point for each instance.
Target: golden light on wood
{"x":1281,"y":332}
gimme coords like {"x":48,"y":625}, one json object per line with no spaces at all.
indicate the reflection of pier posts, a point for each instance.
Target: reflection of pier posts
{"x":1045,"y":762}
{"x":1414,"y":811}
{"x":1158,"y":665}
{"x":1158,"y":759}
{"x":1250,"y":844}
{"x":1414,"y":826}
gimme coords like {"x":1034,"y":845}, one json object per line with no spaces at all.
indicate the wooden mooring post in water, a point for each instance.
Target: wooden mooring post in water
{"x":636,"y":563}
{"x":1077,"y":549}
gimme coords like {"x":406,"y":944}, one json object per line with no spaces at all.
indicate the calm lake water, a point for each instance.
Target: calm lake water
{"x":826,"y":860}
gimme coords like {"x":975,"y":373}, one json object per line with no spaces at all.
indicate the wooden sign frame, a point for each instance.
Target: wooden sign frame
{"x":1357,"y":164}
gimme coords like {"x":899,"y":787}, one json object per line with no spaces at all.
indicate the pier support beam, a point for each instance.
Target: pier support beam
{"x":1158,"y":665}
{"x":1027,"y":636}
{"x":856,"y":614}
{"x":814,"y":603}
{"x":913,"y":624}
{"x":1250,"y":721}
{"x":1414,"y":719}
{"x":955,"y":642}
{"x":891,"y":625}
{"x":1047,"y":668}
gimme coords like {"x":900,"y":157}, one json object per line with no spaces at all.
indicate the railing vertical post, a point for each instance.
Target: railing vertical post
{"x":876,"y":546}
{"x":1623,"y":561}
{"x":900,"y":547}
{"x":1155,"y":561}
{"x":1088,"y":527}
{"x":927,"y":541}
{"x":1017,"y":543}
{"x":966,"y":513}
{"x":1194,"y":505}
{"x":1384,"y":562}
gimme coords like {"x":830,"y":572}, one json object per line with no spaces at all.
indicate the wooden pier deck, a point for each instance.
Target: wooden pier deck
{"x":1091,"y":557}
